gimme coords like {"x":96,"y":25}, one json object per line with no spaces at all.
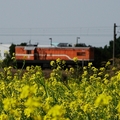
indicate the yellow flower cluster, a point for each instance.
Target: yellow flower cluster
{"x":58,"y":64}
{"x":75,"y":59}
{"x":93,"y":94}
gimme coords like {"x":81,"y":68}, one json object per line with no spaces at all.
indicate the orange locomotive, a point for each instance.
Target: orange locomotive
{"x":35,"y":55}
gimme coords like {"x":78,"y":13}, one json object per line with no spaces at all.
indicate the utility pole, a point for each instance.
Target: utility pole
{"x":77,"y":40}
{"x":114,"y":39}
{"x":50,"y":41}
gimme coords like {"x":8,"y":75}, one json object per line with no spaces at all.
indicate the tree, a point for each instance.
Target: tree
{"x":81,"y":45}
{"x":8,"y":60}
{"x":23,"y":44}
{"x":12,"y":49}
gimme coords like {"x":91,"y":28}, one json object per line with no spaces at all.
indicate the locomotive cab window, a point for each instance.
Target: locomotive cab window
{"x":81,"y":53}
{"x":28,"y":51}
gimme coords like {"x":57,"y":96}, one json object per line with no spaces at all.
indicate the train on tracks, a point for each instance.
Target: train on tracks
{"x":40,"y":55}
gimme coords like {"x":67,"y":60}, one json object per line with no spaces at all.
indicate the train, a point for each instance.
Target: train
{"x":33,"y":54}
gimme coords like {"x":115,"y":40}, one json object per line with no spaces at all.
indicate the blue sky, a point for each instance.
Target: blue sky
{"x":61,"y":20}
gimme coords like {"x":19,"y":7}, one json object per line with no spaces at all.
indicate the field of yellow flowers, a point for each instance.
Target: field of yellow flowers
{"x":80,"y":94}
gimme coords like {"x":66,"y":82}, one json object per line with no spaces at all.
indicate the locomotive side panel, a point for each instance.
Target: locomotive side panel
{"x":86,"y":54}
{"x":22,"y":54}
{"x":64,"y":53}
{"x":54,"y":53}
{"x":82,"y":54}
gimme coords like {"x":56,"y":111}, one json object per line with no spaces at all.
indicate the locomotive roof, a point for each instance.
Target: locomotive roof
{"x":29,"y":47}
{"x":33,"y":47}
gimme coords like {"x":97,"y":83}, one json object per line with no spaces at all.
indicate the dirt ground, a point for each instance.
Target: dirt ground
{"x":46,"y":72}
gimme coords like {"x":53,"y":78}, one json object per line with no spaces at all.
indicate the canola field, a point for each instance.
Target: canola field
{"x":75,"y":94}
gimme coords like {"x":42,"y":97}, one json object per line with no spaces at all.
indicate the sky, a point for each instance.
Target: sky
{"x":62,"y":20}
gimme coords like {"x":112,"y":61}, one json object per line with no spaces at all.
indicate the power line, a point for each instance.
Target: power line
{"x":8,"y":34}
{"x":79,"y":29}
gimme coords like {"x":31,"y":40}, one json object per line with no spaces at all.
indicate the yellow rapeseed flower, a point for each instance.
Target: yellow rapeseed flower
{"x":107,"y":64}
{"x":63,"y":62}
{"x":72,"y":70}
{"x":28,"y":68}
{"x":32,"y":102}
{"x":114,"y":68}
{"x":102,"y":69}
{"x":103,"y":99}
{"x":84,"y":68}
{"x":58,"y":67}
{"x":7,"y":103}
{"x":92,"y":77}
{"x":56,"y":111}
{"x":52,"y":74}
{"x":28,"y":111}
{"x":33,"y":88}
{"x":118,"y":107}
{"x":52,"y":63}
{"x":86,"y":107}
{"x":106,"y":75}
{"x":3,"y":116}
{"x":58,"y":60}
{"x":94,"y":69}
{"x":100,"y":73}
{"x":85,"y":73}
{"x":37,"y":117}
{"x":13,"y":58}
{"x":73,"y":105}
{"x":17,"y":113}
{"x":89,"y":64}
{"x":25,"y":92}
{"x":75,"y":59}
{"x":118,"y":76}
